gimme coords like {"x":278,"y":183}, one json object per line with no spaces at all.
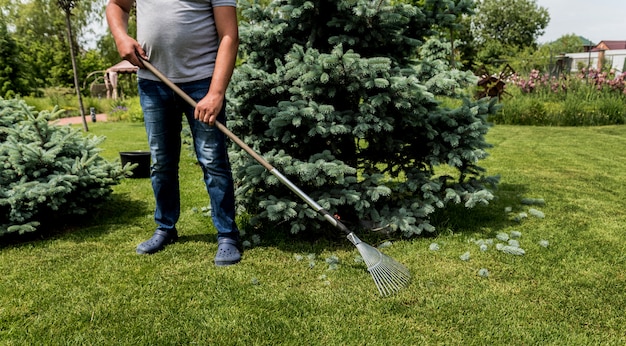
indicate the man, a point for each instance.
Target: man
{"x":194,"y":43}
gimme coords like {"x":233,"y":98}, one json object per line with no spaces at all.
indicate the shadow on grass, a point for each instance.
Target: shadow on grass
{"x":454,"y":219}
{"x":114,"y":211}
{"x":459,"y":219}
{"x":121,"y":209}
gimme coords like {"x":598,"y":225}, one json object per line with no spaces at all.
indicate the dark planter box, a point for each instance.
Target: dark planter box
{"x":141,"y":158}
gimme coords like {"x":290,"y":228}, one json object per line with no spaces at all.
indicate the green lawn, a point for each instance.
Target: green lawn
{"x":86,"y":285}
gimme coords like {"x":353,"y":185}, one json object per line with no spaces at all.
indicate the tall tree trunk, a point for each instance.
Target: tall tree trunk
{"x":75,"y":68}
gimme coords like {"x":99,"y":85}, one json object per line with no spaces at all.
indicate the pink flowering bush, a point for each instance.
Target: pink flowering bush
{"x":590,"y":97}
{"x":537,"y":82}
{"x":611,"y":80}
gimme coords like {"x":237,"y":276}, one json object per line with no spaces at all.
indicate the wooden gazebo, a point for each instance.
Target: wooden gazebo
{"x":111,"y":76}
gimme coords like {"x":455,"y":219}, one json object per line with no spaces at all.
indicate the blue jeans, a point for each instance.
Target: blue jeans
{"x":163,"y":111}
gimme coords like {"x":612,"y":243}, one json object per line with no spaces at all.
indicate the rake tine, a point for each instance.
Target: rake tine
{"x":389,"y":275}
{"x":378,"y":284}
{"x":396,"y":277}
{"x":393,"y":285}
{"x":400,"y":275}
{"x":386,"y":281}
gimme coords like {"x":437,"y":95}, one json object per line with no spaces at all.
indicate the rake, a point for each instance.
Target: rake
{"x":389,"y":275}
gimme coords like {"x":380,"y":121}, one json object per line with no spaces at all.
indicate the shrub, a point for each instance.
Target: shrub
{"x":340,"y":97}
{"x":48,"y":171}
{"x":68,"y":103}
{"x":590,"y":98}
{"x":613,"y":108}
{"x":126,"y":109}
{"x":521,"y":111}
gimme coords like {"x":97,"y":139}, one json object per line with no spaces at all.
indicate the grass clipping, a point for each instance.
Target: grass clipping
{"x":507,"y":243}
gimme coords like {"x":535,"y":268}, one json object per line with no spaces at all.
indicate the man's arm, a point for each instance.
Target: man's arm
{"x":227,"y":29}
{"x":117,"y":13}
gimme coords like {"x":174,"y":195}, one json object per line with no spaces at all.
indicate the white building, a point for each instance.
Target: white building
{"x":616,"y":59}
{"x":611,"y":54}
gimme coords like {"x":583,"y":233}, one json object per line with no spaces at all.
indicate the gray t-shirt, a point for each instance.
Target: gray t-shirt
{"x":179,"y":37}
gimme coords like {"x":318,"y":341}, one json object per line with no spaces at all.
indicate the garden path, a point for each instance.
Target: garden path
{"x":78,"y":120}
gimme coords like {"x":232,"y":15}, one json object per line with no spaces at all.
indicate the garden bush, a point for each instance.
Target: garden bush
{"x":68,"y":104}
{"x":342,"y":97}
{"x":48,"y":171}
{"x":126,"y":109}
{"x":590,"y":98}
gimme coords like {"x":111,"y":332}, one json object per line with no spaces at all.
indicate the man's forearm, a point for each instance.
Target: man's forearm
{"x":224,"y":64}
{"x":117,"y":13}
{"x":117,"y":18}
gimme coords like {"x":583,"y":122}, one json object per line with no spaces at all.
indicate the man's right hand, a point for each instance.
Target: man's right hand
{"x":117,"y":13}
{"x":131,"y":50}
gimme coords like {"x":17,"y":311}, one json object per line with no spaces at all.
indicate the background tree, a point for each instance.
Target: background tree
{"x":67,"y":6}
{"x":570,"y":43}
{"x":503,"y":27}
{"x":339,"y":95}
{"x":39,"y":30}
{"x":544,"y":58}
{"x":466,"y":48}
{"x":10,"y":81}
{"x":451,"y":23}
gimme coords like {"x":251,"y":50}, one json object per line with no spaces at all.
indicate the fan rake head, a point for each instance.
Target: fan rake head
{"x":389,"y":275}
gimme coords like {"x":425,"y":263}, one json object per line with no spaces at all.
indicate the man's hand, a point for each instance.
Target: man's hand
{"x":209,"y":108}
{"x":131,"y":50}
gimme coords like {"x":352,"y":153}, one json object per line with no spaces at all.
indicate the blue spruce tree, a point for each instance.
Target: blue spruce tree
{"x":341,"y":97}
{"x":49,"y":173}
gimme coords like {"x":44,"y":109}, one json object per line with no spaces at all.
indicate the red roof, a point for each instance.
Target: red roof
{"x":609,"y":45}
